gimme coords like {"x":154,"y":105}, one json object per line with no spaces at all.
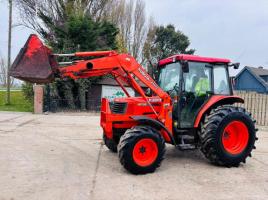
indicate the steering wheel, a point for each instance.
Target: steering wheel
{"x":174,"y":89}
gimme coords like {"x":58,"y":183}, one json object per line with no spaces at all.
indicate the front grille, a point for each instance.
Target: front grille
{"x":118,"y":107}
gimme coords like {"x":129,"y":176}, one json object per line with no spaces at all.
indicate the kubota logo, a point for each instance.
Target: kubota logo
{"x":147,"y":77}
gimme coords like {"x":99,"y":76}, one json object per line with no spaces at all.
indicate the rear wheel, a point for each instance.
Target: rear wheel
{"x":141,"y":149}
{"x":228,"y":136}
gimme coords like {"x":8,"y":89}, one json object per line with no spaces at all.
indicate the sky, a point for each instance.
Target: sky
{"x":233,"y":29}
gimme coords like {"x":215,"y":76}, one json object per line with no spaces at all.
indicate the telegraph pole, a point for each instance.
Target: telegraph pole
{"x":9,"y":51}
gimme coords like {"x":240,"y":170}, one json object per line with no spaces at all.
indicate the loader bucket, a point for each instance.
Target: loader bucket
{"x":34,"y":63}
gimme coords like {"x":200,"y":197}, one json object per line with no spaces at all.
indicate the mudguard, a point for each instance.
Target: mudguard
{"x":213,"y":102}
{"x":155,"y":124}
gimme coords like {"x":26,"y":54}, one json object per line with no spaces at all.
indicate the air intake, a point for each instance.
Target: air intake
{"x":118,"y":107}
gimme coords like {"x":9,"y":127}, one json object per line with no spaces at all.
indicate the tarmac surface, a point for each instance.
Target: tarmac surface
{"x":61,"y":156}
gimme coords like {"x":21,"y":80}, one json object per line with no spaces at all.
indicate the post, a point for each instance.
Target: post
{"x":9,"y":51}
{"x":38,"y":98}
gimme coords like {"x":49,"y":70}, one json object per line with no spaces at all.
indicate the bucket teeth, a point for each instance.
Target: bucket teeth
{"x":250,"y":155}
{"x":256,"y":129}
{"x":256,"y":138}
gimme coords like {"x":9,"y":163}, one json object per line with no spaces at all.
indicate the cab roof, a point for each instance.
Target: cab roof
{"x":191,"y":58}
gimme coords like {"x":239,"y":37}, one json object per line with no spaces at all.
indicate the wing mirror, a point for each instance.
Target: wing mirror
{"x":235,"y":65}
{"x":185,"y":66}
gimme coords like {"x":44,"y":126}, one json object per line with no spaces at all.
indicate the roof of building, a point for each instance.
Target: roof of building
{"x":192,"y":58}
{"x":111,"y":81}
{"x":257,"y":72}
{"x":260,"y":71}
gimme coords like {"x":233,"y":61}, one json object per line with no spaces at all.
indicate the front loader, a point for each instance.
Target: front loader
{"x":190,"y":105}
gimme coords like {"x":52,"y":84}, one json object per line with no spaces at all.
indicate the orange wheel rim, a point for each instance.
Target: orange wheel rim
{"x":145,"y":152}
{"x":235,"y":137}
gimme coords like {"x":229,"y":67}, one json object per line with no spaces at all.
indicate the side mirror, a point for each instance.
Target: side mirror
{"x":235,"y":65}
{"x":185,"y":66}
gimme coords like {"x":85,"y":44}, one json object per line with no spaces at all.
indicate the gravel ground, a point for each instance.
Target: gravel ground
{"x":61,"y":156}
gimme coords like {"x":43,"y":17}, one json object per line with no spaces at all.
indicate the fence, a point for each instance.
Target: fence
{"x":257,"y":104}
{"x":66,"y":105}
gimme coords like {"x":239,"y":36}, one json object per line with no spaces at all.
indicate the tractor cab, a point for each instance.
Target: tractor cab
{"x":191,"y":81}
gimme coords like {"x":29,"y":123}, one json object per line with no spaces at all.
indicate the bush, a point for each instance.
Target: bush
{"x":27,"y":90}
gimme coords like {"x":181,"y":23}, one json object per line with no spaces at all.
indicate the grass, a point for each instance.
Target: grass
{"x":18,"y":102}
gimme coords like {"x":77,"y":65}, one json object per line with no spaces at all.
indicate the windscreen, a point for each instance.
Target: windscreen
{"x":169,"y":76}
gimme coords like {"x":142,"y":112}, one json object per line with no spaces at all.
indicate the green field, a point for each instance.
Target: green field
{"x":18,"y":102}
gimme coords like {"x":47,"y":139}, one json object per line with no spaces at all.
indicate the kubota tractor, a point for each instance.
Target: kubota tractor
{"x":189,"y":106}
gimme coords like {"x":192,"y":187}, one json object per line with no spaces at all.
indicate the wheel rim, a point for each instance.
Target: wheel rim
{"x":145,"y":152}
{"x":235,"y":137}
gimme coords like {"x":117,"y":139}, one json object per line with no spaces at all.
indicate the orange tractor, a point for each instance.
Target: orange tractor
{"x":189,"y":106}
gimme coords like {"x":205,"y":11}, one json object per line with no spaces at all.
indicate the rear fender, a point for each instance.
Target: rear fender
{"x":155,"y":124}
{"x":215,"y":101}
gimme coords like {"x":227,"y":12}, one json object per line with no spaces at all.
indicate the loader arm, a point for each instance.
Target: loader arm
{"x":37,"y":64}
{"x":123,"y":67}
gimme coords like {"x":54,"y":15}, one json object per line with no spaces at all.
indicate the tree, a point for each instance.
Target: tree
{"x":163,"y":42}
{"x":36,"y":12}
{"x":3,"y":73}
{"x":130,"y":18}
{"x":149,"y":44}
{"x":168,"y":41}
{"x":127,"y":15}
{"x":81,"y":34}
{"x":27,"y":91}
{"x":67,"y":26}
{"x":84,"y":25}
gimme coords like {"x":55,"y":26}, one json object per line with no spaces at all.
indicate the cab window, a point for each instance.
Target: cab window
{"x":169,"y":76}
{"x":198,"y":79}
{"x":221,"y":83}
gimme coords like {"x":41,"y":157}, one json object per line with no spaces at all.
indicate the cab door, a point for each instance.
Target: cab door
{"x":195,"y":91}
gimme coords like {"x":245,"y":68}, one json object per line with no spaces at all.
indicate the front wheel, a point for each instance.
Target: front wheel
{"x":141,"y":149}
{"x":110,"y":143}
{"x":227,"y":136}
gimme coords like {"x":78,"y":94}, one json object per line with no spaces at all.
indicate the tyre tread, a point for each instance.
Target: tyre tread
{"x":208,"y":131}
{"x":129,"y":138}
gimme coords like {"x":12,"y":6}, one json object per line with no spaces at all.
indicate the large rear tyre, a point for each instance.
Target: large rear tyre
{"x":228,"y":136}
{"x":110,"y":144}
{"x":141,"y":150}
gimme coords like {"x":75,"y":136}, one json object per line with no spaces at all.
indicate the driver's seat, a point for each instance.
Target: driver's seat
{"x":194,"y":82}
